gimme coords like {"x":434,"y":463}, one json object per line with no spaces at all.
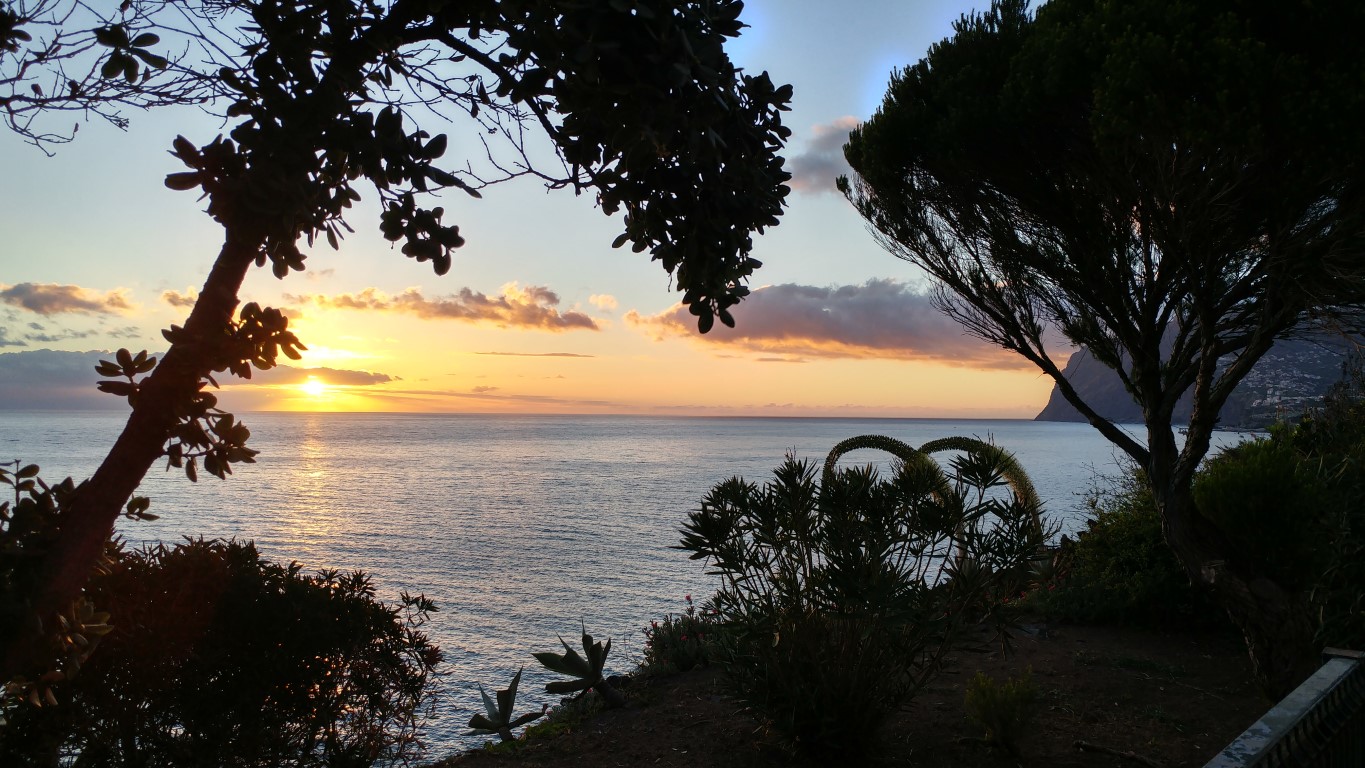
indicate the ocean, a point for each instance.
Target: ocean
{"x":520,"y":528}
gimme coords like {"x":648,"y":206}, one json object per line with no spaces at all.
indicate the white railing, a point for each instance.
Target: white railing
{"x":1321,"y":724}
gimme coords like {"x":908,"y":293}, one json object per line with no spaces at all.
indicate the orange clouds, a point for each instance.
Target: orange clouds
{"x":53,"y":299}
{"x":881,"y":319}
{"x":534,"y":307}
{"x":177,"y":299}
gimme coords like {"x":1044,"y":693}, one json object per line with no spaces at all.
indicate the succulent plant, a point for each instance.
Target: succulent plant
{"x":499,"y":719}
{"x":587,"y":668}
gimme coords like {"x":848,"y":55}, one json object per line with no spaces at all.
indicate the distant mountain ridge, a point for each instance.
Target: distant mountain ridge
{"x":1292,"y":376}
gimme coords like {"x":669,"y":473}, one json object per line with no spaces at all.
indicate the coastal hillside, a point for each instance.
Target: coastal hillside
{"x":1292,"y":376}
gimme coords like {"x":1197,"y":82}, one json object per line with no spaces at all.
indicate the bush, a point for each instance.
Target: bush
{"x":1119,"y":570}
{"x":840,"y":597}
{"x":1271,"y":504}
{"x":1004,"y":710}
{"x":217,"y":655}
{"x":679,"y":643}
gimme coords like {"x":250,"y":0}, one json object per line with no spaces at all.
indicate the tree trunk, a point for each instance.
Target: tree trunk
{"x":87,"y":521}
{"x":1276,"y":622}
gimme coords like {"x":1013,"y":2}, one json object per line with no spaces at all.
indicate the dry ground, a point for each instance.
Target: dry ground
{"x":1137,"y":698}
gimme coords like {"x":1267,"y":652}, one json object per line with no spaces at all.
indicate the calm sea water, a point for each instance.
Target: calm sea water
{"x":519,"y":527}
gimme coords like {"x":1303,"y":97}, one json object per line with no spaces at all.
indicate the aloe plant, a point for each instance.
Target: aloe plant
{"x":499,"y":719}
{"x":587,"y":668}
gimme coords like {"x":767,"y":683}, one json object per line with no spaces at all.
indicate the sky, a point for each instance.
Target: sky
{"x":538,"y":313}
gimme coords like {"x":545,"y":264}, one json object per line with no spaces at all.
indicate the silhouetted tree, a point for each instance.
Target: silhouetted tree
{"x":1170,"y":184}
{"x":638,"y":98}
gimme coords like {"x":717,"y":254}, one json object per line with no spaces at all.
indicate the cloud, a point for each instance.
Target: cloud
{"x":46,"y":379}
{"x":534,"y":354}
{"x":603,"y":301}
{"x":531,"y":307}
{"x":881,"y":319}
{"x":177,"y":299}
{"x":284,"y":375}
{"x":479,"y":390}
{"x":53,"y":338}
{"x":52,"y":299}
{"x":126,"y":332}
{"x":6,"y":341}
{"x":815,"y":170}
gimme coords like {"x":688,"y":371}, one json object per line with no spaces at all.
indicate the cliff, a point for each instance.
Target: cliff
{"x":1292,"y":376}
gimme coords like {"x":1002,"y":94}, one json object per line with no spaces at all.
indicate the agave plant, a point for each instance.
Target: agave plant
{"x":499,"y":718}
{"x":587,"y":668}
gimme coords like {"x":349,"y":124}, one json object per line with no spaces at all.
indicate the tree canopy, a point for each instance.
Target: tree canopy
{"x":1170,"y":184}
{"x":638,"y":99}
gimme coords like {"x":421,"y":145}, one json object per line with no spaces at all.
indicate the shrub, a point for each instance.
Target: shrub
{"x":1333,"y":439}
{"x":679,"y":643}
{"x":1004,"y":710}
{"x":216,"y":654}
{"x":840,"y":597}
{"x":1119,"y":570}
{"x":1271,"y":504}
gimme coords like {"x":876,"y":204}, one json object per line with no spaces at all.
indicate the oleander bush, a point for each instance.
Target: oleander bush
{"x":841,"y":592}
{"x":217,"y":655}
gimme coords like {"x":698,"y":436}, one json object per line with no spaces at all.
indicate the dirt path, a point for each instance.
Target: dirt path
{"x":1168,"y":699}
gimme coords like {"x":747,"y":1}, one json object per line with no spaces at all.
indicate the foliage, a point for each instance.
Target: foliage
{"x":218,"y":653}
{"x":1005,"y":710}
{"x":587,"y":669}
{"x":1294,"y":501}
{"x":638,"y":100}
{"x":841,"y":596}
{"x":90,"y":59}
{"x":1270,"y":503}
{"x":679,"y":643}
{"x":1119,"y":570}
{"x":499,"y":719}
{"x":1168,"y":184}
{"x":564,"y":717}
{"x":1335,"y":435}
{"x":28,"y":525}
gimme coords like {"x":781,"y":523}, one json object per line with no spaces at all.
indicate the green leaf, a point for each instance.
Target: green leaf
{"x":489,"y":706}
{"x":120,"y":388}
{"x":112,"y":67}
{"x":567,"y":686}
{"x":183,"y":181}
{"x":151,"y":59}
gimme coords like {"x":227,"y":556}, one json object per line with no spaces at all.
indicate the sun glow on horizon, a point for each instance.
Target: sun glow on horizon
{"x":314,"y":387}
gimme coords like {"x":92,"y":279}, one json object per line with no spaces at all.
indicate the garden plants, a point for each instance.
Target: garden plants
{"x":499,"y":719}
{"x":842,"y":590}
{"x":585,"y":668}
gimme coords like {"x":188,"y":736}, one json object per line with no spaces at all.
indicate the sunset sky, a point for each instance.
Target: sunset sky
{"x":538,"y":313}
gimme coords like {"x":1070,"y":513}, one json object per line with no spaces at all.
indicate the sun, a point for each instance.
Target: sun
{"x":314,"y":387}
